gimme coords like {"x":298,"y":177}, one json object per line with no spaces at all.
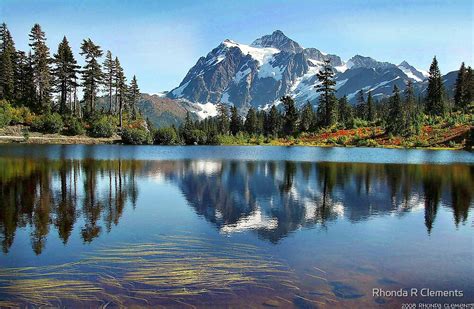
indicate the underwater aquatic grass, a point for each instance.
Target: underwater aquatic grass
{"x":173,"y":268}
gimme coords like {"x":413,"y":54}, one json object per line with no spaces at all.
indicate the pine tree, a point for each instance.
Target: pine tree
{"x":395,"y":120}
{"x":188,"y":123}
{"x":273,"y":122}
{"x":24,"y":80}
{"x":41,"y":67}
{"x":64,"y":72}
{"x":411,"y":112}
{"x":370,"y":108}
{"x":290,"y":118}
{"x":7,"y":64}
{"x":435,"y":100}
{"x":361,"y":106}
{"x":134,"y":96}
{"x":120,"y":89}
{"x":250,"y":124}
{"x":235,"y":121}
{"x":461,"y":90}
{"x":222,"y":118}
{"x":109,"y":78}
{"x":327,"y":99}
{"x":345,"y":115}
{"x":307,"y":116}
{"x":470,"y":85}
{"x":92,"y":72}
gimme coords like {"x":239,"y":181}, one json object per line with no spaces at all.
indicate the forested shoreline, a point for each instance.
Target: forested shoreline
{"x":52,"y":94}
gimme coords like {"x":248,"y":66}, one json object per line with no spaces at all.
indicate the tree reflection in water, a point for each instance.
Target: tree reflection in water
{"x":270,"y":198}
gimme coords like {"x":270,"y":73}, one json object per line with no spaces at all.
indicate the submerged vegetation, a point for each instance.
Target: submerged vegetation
{"x":169,"y":269}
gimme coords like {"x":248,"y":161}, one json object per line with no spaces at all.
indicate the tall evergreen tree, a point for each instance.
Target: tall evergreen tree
{"x":120,"y":89}
{"x":41,"y":67}
{"x":411,"y":110}
{"x":92,"y":72}
{"x":24,"y":79}
{"x":134,"y":96}
{"x":361,"y":106}
{"x":290,"y":118}
{"x":7,"y":64}
{"x":109,"y":78}
{"x":235,"y":121}
{"x":250,"y":124}
{"x":470,"y":85}
{"x":307,"y":116}
{"x":345,"y":112}
{"x":327,"y":99}
{"x":64,"y":72}
{"x":188,"y":124}
{"x":461,"y":90}
{"x":395,"y":120}
{"x":435,"y":98}
{"x":273,"y":122}
{"x":370,"y":108}
{"x":222,"y":118}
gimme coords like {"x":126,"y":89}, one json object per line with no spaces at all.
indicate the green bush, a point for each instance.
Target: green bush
{"x":48,"y":123}
{"x":367,"y":143}
{"x":195,"y":137}
{"x":74,"y":127}
{"x":135,"y":136}
{"x":5,"y":113}
{"x":101,"y":127}
{"x":21,"y":114}
{"x":166,"y":136}
{"x":342,"y":140}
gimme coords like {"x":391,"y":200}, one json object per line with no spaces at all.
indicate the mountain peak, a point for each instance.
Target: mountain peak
{"x":359,"y":61}
{"x":279,"y":41}
{"x":404,"y":64}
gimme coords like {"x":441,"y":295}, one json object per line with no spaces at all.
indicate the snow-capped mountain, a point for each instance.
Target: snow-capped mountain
{"x":274,"y":65}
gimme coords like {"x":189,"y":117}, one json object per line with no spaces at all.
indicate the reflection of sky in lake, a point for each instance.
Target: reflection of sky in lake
{"x":365,"y":225}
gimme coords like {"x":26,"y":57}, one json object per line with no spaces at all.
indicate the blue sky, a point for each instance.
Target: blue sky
{"x":160,"y":40}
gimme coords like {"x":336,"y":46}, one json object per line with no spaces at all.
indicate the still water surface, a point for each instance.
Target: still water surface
{"x":233,"y":226}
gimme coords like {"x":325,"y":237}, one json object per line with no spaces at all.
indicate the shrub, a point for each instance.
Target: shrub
{"x":166,"y":136}
{"x":48,"y":123}
{"x":74,"y":127}
{"x":5,"y":113}
{"x":135,"y":136}
{"x":342,"y":140}
{"x":359,"y":123}
{"x":367,"y":143}
{"x":195,"y":137}
{"x":22,"y":115}
{"x":101,"y":127}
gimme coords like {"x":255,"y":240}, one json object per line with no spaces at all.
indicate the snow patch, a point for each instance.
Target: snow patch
{"x":267,"y":70}
{"x":261,"y":54}
{"x":241,"y":74}
{"x":409,"y":73}
{"x":342,"y":68}
{"x":178,"y":92}
{"x":225,"y":98}
{"x":205,"y":110}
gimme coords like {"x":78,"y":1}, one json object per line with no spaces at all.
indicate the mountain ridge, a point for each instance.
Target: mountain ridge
{"x":257,"y":75}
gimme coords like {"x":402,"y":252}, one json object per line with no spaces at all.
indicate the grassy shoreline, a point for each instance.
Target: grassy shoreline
{"x":13,"y":135}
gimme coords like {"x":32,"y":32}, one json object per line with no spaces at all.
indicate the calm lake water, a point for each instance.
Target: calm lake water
{"x":294,"y":227}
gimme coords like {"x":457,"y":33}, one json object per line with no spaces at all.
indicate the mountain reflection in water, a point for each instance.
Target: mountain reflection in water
{"x":269,"y":198}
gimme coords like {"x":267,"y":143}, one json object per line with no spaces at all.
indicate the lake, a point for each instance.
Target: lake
{"x":290,"y":227}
